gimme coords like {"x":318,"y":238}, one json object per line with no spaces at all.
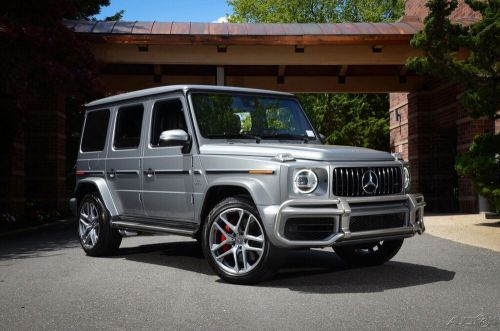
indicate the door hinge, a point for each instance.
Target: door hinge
{"x":192,"y":199}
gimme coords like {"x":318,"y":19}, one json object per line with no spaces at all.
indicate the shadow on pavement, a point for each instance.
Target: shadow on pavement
{"x":39,"y":243}
{"x":316,"y":271}
{"x":493,"y":225}
{"x":185,"y":255}
{"x":312,"y":271}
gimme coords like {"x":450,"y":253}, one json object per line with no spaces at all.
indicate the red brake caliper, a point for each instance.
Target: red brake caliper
{"x":226,"y":247}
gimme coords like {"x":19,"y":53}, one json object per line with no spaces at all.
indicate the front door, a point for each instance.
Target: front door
{"x":123,"y":164}
{"x":167,"y":175}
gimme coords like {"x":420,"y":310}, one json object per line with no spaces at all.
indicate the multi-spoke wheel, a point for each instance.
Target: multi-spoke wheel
{"x":96,"y":236}
{"x":88,"y":225}
{"x":369,"y":254}
{"x":235,"y":243}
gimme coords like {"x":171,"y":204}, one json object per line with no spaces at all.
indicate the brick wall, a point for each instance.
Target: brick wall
{"x":45,"y":161}
{"x":436,"y":130}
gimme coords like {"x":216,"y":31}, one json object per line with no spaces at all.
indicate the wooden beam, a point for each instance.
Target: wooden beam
{"x":297,"y":84}
{"x":255,"y":55}
{"x":220,"y":77}
{"x":302,"y":40}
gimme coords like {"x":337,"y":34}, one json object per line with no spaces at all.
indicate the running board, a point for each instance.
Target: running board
{"x":186,"y":229}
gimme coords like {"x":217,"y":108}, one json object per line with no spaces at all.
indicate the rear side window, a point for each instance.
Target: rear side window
{"x":128,"y":127}
{"x":94,"y":132}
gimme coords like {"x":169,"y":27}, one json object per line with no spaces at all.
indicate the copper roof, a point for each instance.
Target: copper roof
{"x":190,"y":32}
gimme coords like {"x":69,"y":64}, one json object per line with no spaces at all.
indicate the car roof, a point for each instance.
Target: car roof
{"x":172,"y":88}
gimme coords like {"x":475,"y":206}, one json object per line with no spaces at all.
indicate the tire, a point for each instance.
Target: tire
{"x":94,"y":229}
{"x":369,"y":254}
{"x":247,"y":257}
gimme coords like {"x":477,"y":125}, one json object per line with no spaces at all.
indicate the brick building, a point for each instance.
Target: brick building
{"x":428,"y":126}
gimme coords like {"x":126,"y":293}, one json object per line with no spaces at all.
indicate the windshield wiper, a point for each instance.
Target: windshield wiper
{"x":235,"y":136}
{"x":287,"y":136}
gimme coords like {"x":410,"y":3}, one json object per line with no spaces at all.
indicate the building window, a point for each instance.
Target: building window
{"x":128,"y":127}
{"x":95,"y":130}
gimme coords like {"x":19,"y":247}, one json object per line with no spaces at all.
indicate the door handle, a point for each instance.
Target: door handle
{"x":111,"y":173}
{"x":149,"y":173}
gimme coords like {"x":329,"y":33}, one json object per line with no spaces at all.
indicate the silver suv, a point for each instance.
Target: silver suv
{"x":241,"y":170}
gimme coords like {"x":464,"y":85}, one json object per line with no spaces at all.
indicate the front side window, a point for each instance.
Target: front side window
{"x":250,"y":116}
{"x":128,"y":127}
{"x":95,"y":130}
{"x":167,"y":115}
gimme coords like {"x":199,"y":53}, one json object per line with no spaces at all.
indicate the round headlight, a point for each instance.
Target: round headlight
{"x":406,"y":174}
{"x":306,"y":181}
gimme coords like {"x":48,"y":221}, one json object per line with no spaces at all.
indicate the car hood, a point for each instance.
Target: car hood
{"x":299,"y":151}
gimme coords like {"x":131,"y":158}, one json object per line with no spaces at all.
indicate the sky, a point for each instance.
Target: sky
{"x":168,"y":10}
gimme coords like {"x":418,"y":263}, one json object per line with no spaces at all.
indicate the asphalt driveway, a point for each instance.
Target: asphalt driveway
{"x":163,"y":282}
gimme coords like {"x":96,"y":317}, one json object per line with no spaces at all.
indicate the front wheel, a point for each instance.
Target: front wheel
{"x":235,"y":244}
{"x":369,"y":254}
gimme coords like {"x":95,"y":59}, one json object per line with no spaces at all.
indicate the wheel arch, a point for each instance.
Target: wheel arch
{"x":97,"y":185}
{"x":217,"y":193}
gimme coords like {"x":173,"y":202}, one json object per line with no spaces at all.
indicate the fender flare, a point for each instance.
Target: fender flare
{"x":103,"y":189}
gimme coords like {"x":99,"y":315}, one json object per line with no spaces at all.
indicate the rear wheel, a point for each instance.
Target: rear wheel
{"x":235,"y":244}
{"x":369,"y":254}
{"x":94,"y":230}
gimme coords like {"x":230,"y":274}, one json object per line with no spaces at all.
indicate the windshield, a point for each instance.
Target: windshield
{"x":256,"y":117}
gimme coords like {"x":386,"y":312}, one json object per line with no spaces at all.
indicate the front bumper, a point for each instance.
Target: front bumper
{"x":340,"y":210}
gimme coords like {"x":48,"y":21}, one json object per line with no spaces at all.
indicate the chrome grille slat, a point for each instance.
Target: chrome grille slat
{"x":347,"y":181}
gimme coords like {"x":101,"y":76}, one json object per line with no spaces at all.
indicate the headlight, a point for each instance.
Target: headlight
{"x":406,"y":178}
{"x":305,"y":181}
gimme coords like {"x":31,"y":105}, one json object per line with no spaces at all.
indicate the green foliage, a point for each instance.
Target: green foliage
{"x":348,"y":119}
{"x":116,"y":17}
{"x":440,"y":41}
{"x":319,"y":11}
{"x":482,"y":164}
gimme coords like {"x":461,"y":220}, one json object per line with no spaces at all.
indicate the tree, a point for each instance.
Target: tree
{"x":318,"y":11}
{"x":441,"y":40}
{"x":349,"y":119}
{"x":41,"y":60}
{"x":478,"y":71}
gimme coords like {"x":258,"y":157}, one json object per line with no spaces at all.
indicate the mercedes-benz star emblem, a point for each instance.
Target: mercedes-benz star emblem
{"x":369,"y":181}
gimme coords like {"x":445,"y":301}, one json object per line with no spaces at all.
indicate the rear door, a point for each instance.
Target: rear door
{"x":167,"y":175}
{"x":123,"y":164}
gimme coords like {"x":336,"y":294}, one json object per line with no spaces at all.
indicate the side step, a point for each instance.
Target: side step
{"x":155,"y":226}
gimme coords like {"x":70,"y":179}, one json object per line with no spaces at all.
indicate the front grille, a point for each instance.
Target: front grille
{"x":347,"y":182}
{"x":313,"y":228}
{"x":376,"y":222}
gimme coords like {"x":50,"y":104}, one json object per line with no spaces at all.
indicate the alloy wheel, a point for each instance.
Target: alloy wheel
{"x":88,"y":225}
{"x":236,"y":241}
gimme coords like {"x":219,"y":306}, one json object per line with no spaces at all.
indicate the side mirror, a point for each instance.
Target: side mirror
{"x":322,"y":137}
{"x":174,"y":138}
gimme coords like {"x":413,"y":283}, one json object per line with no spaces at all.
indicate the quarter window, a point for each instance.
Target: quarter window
{"x":95,"y":130}
{"x":128,"y":127}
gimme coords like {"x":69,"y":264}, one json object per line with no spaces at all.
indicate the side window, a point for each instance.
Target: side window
{"x":128,"y":127}
{"x":95,"y":130}
{"x":167,"y":115}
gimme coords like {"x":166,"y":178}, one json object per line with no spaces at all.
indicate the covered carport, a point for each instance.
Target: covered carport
{"x":427,"y":125}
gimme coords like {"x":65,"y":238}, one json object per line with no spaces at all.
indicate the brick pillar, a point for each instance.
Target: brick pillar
{"x":398,"y":123}
{"x":436,"y":130}
{"x":46,"y":154}
{"x":467,"y":129}
{"x":12,"y":166}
